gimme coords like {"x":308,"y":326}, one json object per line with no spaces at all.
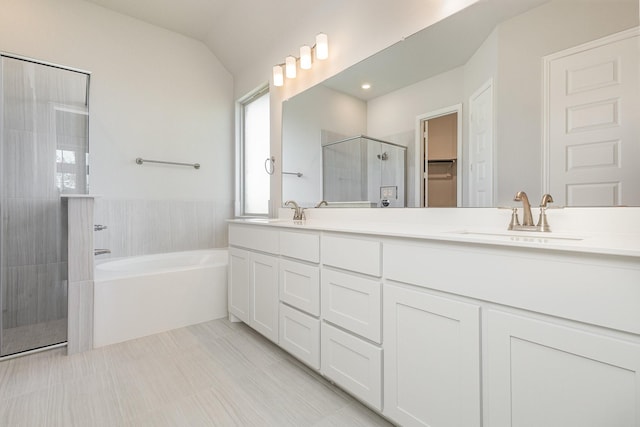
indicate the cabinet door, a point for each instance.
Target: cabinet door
{"x":300,"y":335}
{"x":432,"y":359}
{"x":545,"y":374}
{"x":263,"y":300}
{"x":238,"y":283}
{"x":353,"y":364}
{"x":300,"y":286}
{"x":352,"y":302}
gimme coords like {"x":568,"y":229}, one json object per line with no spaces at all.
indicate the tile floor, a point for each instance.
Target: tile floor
{"x":212,"y":374}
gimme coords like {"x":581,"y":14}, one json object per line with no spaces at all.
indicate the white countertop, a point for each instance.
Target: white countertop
{"x":605,"y":243}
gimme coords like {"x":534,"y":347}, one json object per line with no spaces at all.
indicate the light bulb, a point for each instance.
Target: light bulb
{"x":290,"y":67}
{"x":322,"y":46}
{"x":305,"y":57}
{"x":278,"y":76}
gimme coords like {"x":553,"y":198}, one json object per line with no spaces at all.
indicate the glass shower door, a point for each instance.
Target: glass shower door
{"x":44,"y":153}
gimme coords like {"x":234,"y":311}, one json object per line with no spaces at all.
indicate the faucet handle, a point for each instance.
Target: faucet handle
{"x":543,"y":224}
{"x":514,"y":219}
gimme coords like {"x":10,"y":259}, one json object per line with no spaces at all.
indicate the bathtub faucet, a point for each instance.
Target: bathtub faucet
{"x":101,"y":251}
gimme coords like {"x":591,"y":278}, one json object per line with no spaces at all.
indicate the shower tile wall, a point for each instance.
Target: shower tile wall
{"x":140,"y":227}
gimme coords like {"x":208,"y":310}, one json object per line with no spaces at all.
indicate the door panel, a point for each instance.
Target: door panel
{"x":593,"y":105}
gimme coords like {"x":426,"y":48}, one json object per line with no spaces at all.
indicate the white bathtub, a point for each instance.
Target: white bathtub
{"x":144,"y":295}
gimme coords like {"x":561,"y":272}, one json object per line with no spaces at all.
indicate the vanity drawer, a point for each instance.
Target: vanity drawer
{"x":252,"y":237}
{"x":300,"y":335}
{"x":300,"y":286}
{"x":353,"y":364}
{"x":355,"y":254}
{"x":352,"y":302}
{"x":304,"y":246}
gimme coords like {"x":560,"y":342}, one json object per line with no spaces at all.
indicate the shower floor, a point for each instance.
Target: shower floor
{"x":28,"y":337}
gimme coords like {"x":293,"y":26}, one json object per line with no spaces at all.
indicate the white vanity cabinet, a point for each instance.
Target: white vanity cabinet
{"x":351,"y":313}
{"x":439,"y":332}
{"x":559,"y":340}
{"x":432,"y":359}
{"x":299,"y":284}
{"x":542,"y":373}
{"x":253,"y":278}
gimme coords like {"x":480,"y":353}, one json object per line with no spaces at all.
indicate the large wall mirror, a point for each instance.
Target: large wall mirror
{"x":534,"y":95}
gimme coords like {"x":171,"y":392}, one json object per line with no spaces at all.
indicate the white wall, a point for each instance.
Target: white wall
{"x":154,"y":94}
{"x":340,"y":114}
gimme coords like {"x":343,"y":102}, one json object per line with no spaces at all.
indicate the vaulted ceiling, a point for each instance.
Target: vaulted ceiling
{"x":234,"y":30}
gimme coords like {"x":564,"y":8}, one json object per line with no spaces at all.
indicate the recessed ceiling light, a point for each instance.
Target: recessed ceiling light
{"x":365,"y":86}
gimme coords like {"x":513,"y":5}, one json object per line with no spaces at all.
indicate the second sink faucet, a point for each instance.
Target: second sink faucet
{"x":298,"y":212}
{"x":527,"y":221}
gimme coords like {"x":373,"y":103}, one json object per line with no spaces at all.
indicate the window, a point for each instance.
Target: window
{"x":253,"y":151}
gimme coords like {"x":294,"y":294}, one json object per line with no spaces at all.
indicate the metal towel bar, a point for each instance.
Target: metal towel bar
{"x":140,"y":161}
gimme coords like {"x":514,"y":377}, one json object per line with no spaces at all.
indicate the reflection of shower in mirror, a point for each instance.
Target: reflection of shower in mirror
{"x":362,"y":169}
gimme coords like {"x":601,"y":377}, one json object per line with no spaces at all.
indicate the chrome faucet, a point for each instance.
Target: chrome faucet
{"x":298,"y":212}
{"x":322,"y":203}
{"x":101,"y":251}
{"x":521,"y":196}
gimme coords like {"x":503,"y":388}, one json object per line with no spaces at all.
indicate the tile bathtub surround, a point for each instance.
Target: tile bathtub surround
{"x":212,"y":374}
{"x":141,"y":227}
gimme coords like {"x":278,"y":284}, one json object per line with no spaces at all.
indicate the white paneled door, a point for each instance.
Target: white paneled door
{"x":481,"y":147}
{"x":593,"y":106}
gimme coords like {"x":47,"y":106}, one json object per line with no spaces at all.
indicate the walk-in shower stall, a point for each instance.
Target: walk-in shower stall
{"x":364,"y":169}
{"x":44,"y":129}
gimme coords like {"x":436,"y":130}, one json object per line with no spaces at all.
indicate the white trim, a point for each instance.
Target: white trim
{"x":419,"y":189}
{"x":546,"y":83}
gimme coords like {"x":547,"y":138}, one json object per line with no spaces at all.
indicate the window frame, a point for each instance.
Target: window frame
{"x":240,"y":151}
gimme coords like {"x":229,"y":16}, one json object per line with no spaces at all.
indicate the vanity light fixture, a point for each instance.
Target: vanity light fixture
{"x":305,"y":57}
{"x":278,"y":75}
{"x":289,"y":67}
{"x":322,"y":46}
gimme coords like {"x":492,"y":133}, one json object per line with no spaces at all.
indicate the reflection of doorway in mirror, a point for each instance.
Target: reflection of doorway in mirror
{"x":592,"y":150}
{"x":481,"y":150}
{"x":438,"y":147}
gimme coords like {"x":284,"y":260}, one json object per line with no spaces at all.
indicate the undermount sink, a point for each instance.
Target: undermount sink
{"x":519,"y":236}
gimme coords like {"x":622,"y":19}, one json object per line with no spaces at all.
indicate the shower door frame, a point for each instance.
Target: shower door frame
{"x":4,"y":54}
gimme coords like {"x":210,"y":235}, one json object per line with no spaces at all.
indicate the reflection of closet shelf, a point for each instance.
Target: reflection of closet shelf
{"x":442,"y":161}
{"x":440,"y":174}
